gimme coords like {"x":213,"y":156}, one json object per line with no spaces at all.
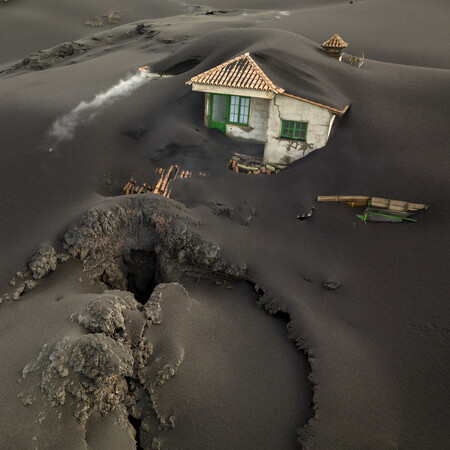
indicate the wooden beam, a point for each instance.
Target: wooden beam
{"x":158,"y":185}
{"x":343,"y":198}
{"x":166,"y":178}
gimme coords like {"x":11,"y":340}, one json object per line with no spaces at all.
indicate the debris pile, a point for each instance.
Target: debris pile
{"x":162,"y":185}
{"x":43,"y":261}
{"x":378,"y":209}
{"x":253,"y":165}
{"x":357,"y":60}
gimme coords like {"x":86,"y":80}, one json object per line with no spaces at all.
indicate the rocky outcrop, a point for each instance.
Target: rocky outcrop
{"x":39,"y":265}
{"x":218,"y":209}
{"x":94,"y":369}
{"x":109,"y":369}
{"x":152,"y":308}
{"x":106,"y":314}
{"x":43,"y":261}
{"x":43,"y":59}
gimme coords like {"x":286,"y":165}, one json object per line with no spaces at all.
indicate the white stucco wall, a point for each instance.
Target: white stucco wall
{"x":283,"y":150}
{"x":257,"y":123}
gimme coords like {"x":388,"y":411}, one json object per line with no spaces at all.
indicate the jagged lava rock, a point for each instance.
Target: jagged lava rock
{"x":43,"y":261}
{"x":90,"y":368}
{"x":220,"y":208}
{"x":105,"y":313}
{"x":97,"y":356}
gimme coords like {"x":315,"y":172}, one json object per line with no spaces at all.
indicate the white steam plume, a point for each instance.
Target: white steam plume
{"x":64,"y":127}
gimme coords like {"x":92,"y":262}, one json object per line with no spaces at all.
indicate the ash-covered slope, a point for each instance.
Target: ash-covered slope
{"x":167,"y":369}
{"x":378,"y":344}
{"x":290,"y":61}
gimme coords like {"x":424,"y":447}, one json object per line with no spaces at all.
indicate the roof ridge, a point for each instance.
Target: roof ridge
{"x":267,"y":80}
{"x":217,"y":68}
{"x":335,"y":41}
{"x":214,"y":74}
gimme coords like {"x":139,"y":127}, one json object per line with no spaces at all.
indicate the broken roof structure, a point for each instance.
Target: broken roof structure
{"x":244,"y":103}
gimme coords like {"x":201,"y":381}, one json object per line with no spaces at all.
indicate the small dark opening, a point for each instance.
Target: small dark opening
{"x":136,"y":424}
{"x":284,"y":316}
{"x":142,"y":273}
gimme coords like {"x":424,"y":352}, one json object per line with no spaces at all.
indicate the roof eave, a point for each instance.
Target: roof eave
{"x":228,"y":90}
{"x":335,"y":111}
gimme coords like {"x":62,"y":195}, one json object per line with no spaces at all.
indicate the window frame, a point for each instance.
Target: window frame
{"x":211,"y":106}
{"x":237,"y":110}
{"x":238,"y":113}
{"x":302,"y":129}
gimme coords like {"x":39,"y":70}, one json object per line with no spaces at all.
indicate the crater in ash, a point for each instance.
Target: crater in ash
{"x":181,"y":370}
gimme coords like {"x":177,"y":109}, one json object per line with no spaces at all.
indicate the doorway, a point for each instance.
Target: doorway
{"x":218,"y":115}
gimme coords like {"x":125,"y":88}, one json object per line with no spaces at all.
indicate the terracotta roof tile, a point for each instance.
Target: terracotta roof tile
{"x":239,"y":72}
{"x":335,"y":42}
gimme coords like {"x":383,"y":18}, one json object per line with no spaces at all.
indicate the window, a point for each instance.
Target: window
{"x":294,"y":130}
{"x":239,"y":109}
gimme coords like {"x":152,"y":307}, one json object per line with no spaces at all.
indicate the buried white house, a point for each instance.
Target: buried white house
{"x":242,"y":102}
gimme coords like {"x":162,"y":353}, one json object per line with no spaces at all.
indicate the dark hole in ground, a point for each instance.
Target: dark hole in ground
{"x":284,"y":316}
{"x":142,"y":273}
{"x":136,"y":424}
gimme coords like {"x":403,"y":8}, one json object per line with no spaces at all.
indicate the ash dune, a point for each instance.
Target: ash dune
{"x":369,"y":368}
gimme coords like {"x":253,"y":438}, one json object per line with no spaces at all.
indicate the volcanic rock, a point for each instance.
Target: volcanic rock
{"x":43,"y":261}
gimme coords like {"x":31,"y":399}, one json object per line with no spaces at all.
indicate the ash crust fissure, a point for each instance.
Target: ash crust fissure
{"x":138,"y":245}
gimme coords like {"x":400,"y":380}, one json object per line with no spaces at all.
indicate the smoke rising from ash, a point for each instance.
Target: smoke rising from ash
{"x":63,"y":128}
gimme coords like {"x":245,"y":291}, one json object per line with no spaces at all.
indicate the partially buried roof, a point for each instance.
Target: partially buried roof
{"x":243,"y":72}
{"x":240,"y":72}
{"x":335,"y":41}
